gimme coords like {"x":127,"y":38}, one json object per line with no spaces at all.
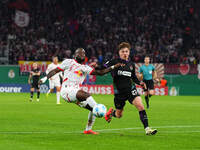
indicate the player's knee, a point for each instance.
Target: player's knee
{"x":138,"y":103}
{"x":82,"y":95}
{"x":118,"y":114}
{"x":58,"y":89}
{"x":151,"y":92}
{"x":140,"y":107}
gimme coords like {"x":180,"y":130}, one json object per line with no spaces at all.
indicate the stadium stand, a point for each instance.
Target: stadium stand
{"x":168,"y":31}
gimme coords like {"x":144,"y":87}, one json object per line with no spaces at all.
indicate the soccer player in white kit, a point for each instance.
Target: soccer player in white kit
{"x":54,"y":81}
{"x":74,"y":74}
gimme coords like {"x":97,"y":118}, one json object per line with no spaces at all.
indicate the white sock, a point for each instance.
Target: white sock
{"x":91,"y":120}
{"x":48,"y":91}
{"x":58,"y":97}
{"x":90,"y":101}
{"x":147,"y":128}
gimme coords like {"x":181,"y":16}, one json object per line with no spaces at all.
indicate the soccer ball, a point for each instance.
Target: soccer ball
{"x":99,"y":110}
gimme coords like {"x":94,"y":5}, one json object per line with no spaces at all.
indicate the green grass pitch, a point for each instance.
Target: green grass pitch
{"x":44,"y":125}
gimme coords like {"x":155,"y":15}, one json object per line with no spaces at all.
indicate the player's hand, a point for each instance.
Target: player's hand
{"x":157,"y":80}
{"x":118,"y":65}
{"x":43,"y":80}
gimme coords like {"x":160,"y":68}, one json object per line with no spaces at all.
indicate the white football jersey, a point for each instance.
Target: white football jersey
{"x":50,"y":68}
{"x":74,"y":73}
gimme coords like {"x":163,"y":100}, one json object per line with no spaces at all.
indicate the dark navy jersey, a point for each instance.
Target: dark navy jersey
{"x":35,"y":78}
{"x":123,"y":77}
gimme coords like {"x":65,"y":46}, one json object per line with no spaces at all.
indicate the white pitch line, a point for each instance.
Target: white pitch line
{"x":181,"y":126}
{"x":105,"y":130}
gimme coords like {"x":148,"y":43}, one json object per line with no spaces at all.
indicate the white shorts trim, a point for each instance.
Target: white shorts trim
{"x":54,"y":83}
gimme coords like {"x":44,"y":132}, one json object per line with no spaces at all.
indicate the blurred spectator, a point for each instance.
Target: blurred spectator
{"x":163,"y":82}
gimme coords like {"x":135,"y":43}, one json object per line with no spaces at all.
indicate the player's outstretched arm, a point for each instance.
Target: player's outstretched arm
{"x":53,"y":72}
{"x":49,"y":75}
{"x":106,"y":70}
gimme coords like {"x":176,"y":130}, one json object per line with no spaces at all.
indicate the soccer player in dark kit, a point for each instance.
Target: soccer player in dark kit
{"x":124,"y":89}
{"x":33,"y":81}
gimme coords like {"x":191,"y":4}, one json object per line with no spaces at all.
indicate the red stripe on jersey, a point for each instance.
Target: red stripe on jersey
{"x":75,"y":60}
{"x":65,"y":79}
{"x":68,"y":98}
{"x":92,"y":71}
{"x":60,"y":68}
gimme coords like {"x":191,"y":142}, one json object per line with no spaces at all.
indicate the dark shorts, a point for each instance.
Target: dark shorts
{"x":120,"y":99}
{"x":35,"y":86}
{"x":149,"y":84}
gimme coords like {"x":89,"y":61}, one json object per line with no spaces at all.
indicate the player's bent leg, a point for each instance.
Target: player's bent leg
{"x":143,"y":116}
{"x":84,"y":100}
{"x":119,"y":105}
{"x":137,"y":102}
{"x":91,"y":120}
{"x":87,"y":101}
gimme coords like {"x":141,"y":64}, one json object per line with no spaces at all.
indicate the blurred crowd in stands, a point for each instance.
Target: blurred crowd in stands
{"x":168,"y":31}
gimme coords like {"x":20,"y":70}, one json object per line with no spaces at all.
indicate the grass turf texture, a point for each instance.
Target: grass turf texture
{"x":44,"y":125}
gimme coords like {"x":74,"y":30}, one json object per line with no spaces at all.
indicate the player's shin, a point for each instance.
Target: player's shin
{"x":143,"y":118}
{"x":89,"y":104}
{"x":38,"y":94}
{"x":58,"y":97}
{"x":91,"y":120}
{"x":49,"y":91}
{"x":113,"y":113}
{"x":31,"y":94}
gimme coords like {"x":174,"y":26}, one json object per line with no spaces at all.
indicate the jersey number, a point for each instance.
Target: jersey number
{"x":134,"y":92}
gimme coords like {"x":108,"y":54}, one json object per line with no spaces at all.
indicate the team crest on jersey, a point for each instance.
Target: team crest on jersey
{"x":131,"y":67}
{"x":79,"y":73}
